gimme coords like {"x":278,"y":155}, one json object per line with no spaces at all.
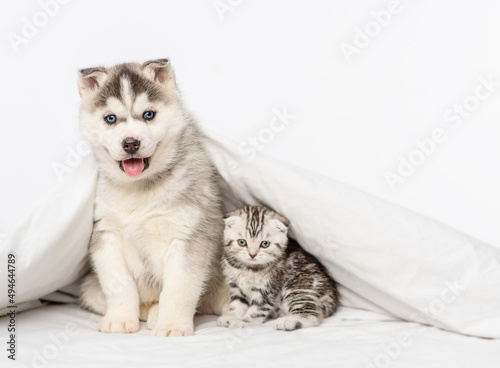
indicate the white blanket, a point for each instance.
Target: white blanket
{"x":65,"y":336}
{"x":385,"y":257}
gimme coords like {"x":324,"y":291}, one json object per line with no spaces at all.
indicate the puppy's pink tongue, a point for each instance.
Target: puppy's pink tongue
{"x":133,"y":166}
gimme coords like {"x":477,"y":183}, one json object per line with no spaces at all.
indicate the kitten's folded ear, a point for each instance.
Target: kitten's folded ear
{"x":280,"y":222}
{"x":230,"y":218}
{"x":232,"y":213}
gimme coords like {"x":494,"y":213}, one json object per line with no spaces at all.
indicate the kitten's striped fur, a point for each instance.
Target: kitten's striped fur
{"x":272,"y":276}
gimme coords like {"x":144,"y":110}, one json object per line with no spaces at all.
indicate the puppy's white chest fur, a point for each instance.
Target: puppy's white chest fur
{"x":147,"y":224}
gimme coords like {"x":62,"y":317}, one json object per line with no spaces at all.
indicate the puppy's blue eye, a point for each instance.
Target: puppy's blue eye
{"x":148,"y":115}
{"x":265,"y":244}
{"x":110,"y":119}
{"x":242,"y":242}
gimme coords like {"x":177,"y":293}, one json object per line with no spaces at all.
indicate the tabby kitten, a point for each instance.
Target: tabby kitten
{"x":270,"y":275}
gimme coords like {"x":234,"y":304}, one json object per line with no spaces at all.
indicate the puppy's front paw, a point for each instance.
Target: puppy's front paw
{"x":167,"y":329}
{"x":152,"y":317}
{"x":110,"y":324}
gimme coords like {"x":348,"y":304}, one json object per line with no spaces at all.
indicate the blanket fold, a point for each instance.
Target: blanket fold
{"x":387,"y":258}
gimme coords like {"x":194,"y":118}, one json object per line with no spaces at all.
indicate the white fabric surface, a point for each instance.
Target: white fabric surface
{"x":351,"y":338}
{"x":50,"y":244}
{"x":406,"y":264}
{"x":386,"y":257}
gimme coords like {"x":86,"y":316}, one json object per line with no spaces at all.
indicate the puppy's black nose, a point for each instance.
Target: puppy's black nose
{"x":131,"y":145}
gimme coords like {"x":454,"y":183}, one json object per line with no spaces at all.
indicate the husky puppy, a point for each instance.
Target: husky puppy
{"x":157,"y":239}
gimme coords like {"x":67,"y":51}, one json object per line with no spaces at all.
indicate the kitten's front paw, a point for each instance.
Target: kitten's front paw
{"x":226,"y":321}
{"x":168,"y":329}
{"x":118,"y":325}
{"x":293,"y":322}
{"x":234,"y":322}
{"x":288,"y":323}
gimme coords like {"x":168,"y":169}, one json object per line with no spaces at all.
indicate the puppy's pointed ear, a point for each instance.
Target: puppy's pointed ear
{"x":280,"y":222}
{"x":90,"y":80}
{"x":160,"y":71}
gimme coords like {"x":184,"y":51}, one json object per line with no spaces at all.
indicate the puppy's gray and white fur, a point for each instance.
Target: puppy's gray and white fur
{"x":272,"y":276}
{"x":157,"y":239}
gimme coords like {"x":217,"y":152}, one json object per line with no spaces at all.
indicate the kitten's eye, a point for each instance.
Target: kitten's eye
{"x":110,"y":119}
{"x":242,"y":242}
{"x":149,"y":115}
{"x":265,"y":244}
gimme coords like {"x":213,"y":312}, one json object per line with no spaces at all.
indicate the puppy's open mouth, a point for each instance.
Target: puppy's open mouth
{"x":134,"y":166}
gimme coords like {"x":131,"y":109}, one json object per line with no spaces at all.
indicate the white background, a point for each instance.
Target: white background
{"x":353,"y":118}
